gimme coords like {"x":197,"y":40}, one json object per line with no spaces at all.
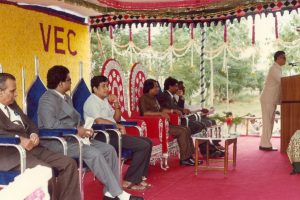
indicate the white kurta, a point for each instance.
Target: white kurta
{"x":269,"y":99}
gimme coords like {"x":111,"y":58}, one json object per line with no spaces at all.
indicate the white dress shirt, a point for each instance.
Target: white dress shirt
{"x":12,"y":115}
{"x":96,"y":107}
{"x":60,"y":94}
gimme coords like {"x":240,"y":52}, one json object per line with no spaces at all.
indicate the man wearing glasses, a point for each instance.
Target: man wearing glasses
{"x":269,"y":99}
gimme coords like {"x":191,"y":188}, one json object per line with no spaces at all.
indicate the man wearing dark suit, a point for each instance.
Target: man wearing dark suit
{"x":56,"y":110}
{"x":168,"y":101}
{"x":13,"y":122}
{"x":180,"y":95}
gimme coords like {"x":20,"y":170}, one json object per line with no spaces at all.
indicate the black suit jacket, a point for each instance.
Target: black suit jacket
{"x":181,"y":102}
{"x":166,"y":101}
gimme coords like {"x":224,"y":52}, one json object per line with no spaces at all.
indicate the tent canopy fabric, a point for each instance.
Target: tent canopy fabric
{"x":189,"y":12}
{"x":105,"y":13}
{"x":148,"y":5}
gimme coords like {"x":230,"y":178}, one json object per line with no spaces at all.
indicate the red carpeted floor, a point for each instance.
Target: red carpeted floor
{"x":259,"y":175}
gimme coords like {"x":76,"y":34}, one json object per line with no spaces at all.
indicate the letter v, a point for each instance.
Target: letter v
{"x":45,"y":40}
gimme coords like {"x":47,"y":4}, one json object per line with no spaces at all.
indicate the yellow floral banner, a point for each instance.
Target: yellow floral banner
{"x":26,"y":34}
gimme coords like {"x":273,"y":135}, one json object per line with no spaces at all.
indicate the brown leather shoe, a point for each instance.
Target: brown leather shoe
{"x":267,"y":148}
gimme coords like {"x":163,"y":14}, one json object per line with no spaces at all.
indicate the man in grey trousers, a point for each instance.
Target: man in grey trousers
{"x":56,"y":110}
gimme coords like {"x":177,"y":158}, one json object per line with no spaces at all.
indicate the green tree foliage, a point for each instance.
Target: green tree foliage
{"x":241,"y":75}
{"x":288,"y":33}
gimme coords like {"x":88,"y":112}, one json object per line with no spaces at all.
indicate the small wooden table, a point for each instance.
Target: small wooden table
{"x":228,"y":141}
{"x":248,"y":119}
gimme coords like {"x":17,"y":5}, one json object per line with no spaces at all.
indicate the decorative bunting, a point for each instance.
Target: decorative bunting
{"x":192,"y":31}
{"x":149,"y":36}
{"x":130,"y":34}
{"x":171,"y":34}
{"x":225,"y":32}
{"x":253,"y":30}
{"x":111,"y":32}
{"x":276,"y":27}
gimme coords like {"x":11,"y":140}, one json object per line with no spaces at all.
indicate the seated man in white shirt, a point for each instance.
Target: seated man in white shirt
{"x":97,"y":106}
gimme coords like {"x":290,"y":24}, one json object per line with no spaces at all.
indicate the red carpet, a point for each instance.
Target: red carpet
{"x":259,"y":175}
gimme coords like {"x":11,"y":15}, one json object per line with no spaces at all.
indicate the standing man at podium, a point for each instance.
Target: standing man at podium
{"x":269,"y":100}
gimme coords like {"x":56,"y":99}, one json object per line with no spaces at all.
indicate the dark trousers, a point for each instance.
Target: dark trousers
{"x":141,"y":148}
{"x":195,"y":126}
{"x":207,"y":121}
{"x":210,"y":122}
{"x":185,"y":142}
{"x":67,"y":185}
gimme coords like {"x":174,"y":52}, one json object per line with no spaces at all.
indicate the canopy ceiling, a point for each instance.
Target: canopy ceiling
{"x":184,"y":12}
{"x":148,"y":5}
{"x":105,"y":13}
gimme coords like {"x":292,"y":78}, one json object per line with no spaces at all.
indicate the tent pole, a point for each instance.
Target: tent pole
{"x":202,"y":68}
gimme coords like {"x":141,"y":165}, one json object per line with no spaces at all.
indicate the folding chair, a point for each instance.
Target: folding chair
{"x":12,"y":142}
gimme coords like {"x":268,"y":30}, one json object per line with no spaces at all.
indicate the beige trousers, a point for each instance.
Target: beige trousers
{"x":268,"y":115}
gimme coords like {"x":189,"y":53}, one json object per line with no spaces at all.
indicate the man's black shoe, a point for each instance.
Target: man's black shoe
{"x":200,"y":162}
{"x":216,"y":154}
{"x":267,"y":148}
{"x":187,"y":162}
{"x":109,"y":198}
{"x":132,"y":197}
{"x":222,"y":154}
{"x":135,"y":198}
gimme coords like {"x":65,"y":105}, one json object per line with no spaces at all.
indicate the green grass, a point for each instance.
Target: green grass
{"x":240,"y":107}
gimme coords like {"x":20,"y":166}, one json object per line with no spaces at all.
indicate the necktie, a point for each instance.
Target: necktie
{"x":7,"y":110}
{"x":66,"y":100}
{"x":174,"y":100}
{"x":157,"y":106}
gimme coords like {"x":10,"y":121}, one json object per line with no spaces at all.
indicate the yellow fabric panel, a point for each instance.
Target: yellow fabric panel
{"x":24,"y":35}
